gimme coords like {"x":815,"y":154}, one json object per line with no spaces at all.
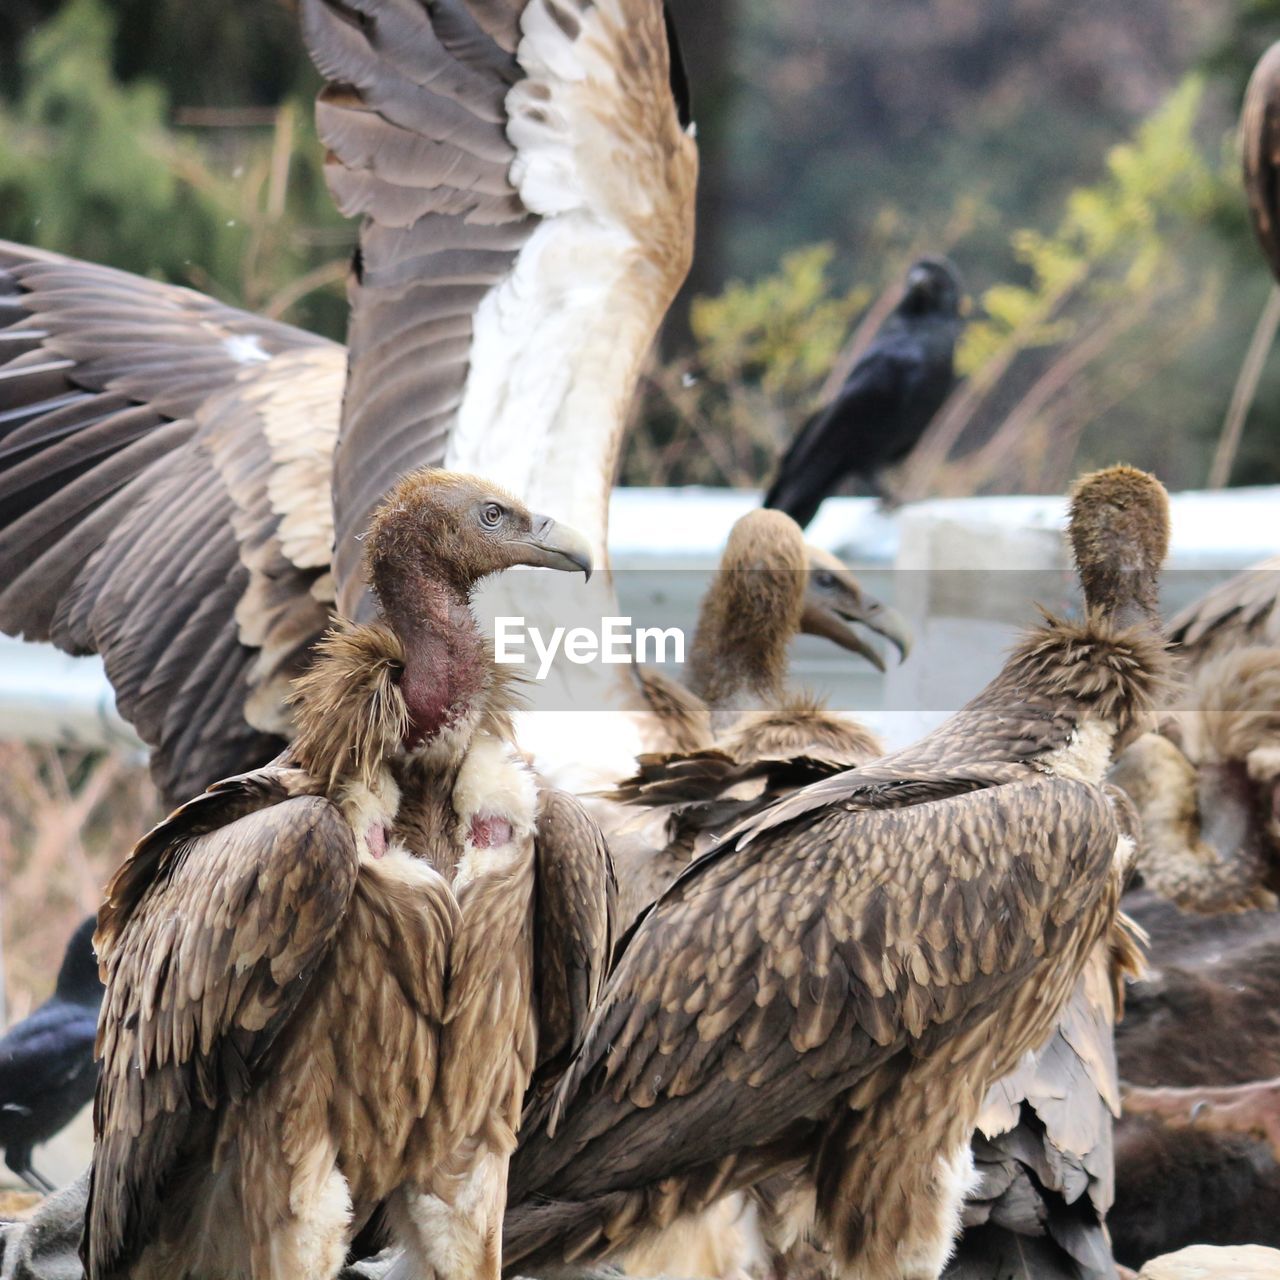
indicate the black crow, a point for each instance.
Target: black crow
{"x":47,"y":1071}
{"x":886,"y":402}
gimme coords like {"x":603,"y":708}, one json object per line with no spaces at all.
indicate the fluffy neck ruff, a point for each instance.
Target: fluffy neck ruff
{"x":1093,"y":669}
{"x":350,"y":714}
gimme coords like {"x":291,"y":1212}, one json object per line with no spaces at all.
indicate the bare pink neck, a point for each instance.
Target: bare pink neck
{"x":446,"y":667}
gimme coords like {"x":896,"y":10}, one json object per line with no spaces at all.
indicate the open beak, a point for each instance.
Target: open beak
{"x":549,"y":545}
{"x":835,"y":604}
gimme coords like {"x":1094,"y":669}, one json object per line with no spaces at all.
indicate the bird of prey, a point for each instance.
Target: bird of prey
{"x":886,"y":402}
{"x":320,"y":974}
{"x":47,"y":1072}
{"x":769,"y":588}
{"x":830,"y":992}
{"x":757,"y":736}
{"x":1207,"y":784}
{"x":181,"y":484}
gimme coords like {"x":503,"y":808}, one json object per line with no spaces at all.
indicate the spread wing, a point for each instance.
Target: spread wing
{"x":208,"y":939}
{"x":526,"y":187}
{"x":163,"y":501}
{"x":1238,"y":612}
{"x":1260,"y":144}
{"x":769,"y":980}
{"x":574,"y":921}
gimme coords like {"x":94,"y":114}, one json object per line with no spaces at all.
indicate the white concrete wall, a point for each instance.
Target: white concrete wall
{"x":966,"y":572}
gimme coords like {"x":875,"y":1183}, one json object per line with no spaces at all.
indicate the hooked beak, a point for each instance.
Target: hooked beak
{"x":549,"y":545}
{"x":833,"y":612}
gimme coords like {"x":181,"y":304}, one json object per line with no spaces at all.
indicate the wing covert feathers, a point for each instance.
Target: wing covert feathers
{"x":192,"y":1013}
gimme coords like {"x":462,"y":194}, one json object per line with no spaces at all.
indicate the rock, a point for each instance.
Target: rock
{"x":1210,"y":1262}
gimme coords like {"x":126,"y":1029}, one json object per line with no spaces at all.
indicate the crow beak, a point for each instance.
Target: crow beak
{"x":549,"y":545}
{"x":835,"y":604}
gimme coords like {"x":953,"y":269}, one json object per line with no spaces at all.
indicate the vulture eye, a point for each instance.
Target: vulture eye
{"x":396,"y":670}
{"x":491,"y":515}
{"x":825,"y":579}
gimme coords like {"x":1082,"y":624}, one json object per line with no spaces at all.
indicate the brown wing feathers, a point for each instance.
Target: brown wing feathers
{"x":415,"y":122}
{"x":127,"y":535}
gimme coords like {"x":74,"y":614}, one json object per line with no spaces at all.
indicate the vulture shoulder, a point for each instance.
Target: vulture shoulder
{"x":1243,"y":610}
{"x":772,"y":978}
{"x":208,"y":937}
{"x":576,"y":903}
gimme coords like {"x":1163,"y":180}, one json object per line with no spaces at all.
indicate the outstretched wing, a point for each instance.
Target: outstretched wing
{"x":163,"y":501}
{"x":208,"y":940}
{"x":768,"y":981}
{"x":527,"y":193}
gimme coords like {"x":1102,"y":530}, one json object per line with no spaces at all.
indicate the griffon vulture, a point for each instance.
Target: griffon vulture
{"x":181,"y":483}
{"x":320,"y":974}
{"x":831,"y":991}
{"x":769,"y":588}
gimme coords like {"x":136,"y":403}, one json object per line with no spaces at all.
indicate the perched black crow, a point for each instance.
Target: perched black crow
{"x":886,"y":402}
{"x":47,"y":1071}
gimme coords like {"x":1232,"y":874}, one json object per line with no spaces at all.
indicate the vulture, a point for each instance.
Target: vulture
{"x":320,"y":991}
{"x":831,"y":990}
{"x":181,"y":483}
{"x":47,"y":1073}
{"x":769,"y":587}
{"x":886,"y":402}
{"x":1207,"y":785}
{"x":754,"y":738}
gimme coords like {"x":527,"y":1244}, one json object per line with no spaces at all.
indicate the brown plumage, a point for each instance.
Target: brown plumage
{"x":829,"y":992}
{"x":320,"y":975}
{"x":1207,"y":784}
{"x":769,"y":587}
{"x":1205,"y":1015}
{"x":1260,"y":147}
{"x":181,"y":484}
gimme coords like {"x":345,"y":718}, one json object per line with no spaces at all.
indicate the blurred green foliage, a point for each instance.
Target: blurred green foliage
{"x":93,"y":166}
{"x":1105,"y":343}
{"x":1087,"y":189}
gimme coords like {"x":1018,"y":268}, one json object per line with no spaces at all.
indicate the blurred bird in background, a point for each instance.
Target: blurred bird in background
{"x":886,"y":402}
{"x":47,"y":1072}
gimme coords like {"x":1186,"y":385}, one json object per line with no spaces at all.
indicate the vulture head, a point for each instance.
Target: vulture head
{"x":393,"y":686}
{"x":1119,"y":529}
{"x":834,"y":603}
{"x":932,"y":287}
{"x":453,"y":531}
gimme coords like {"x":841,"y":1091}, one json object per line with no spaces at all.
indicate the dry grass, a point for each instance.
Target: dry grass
{"x":67,"y":817}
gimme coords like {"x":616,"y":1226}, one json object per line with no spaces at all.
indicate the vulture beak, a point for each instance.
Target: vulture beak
{"x":549,"y":545}
{"x":834,"y":603}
